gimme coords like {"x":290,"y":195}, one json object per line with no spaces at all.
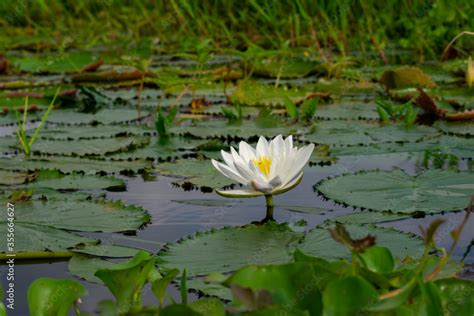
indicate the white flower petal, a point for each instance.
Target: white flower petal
{"x":228,"y":172}
{"x":246,"y":151}
{"x":289,"y":186}
{"x":262,"y":147}
{"x":301,"y":159}
{"x":228,"y":158}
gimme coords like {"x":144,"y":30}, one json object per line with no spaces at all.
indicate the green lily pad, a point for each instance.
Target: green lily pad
{"x":286,"y":67}
{"x":247,"y":129}
{"x":356,"y":133}
{"x":369,"y":217}
{"x":432,"y":191}
{"x":106,"y":250}
{"x":87,"y":147}
{"x":30,"y":237}
{"x":81,"y":215}
{"x":465,"y":128}
{"x":55,"y":181}
{"x":91,"y":132}
{"x":13,"y":178}
{"x":445,"y":144}
{"x":69,"y":165}
{"x":230,"y":248}
{"x":197,"y":173}
{"x":52,"y":62}
{"x":347,"y":111}
{"x":318,"y":242}
{"x":160,"y":150}
{"x":209,"y":288}
{"x":85,"y":267}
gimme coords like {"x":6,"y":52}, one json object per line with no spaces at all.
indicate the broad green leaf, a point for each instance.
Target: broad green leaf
{"x":378,"y":259}
{"x":291,"y":108}
{"x":81,"y":215}
{"x":318,"y":241}
{"x":160,"y":285}
{"x":198,"y":173}
{"x":432,"y":191}
{"x":231,"y":248}
{"x":283,"y":282}
{"x":69,"y":165}
{"x":463,"y":128}
{"x":368,"y":217}
{"x":126,"y":280}
{"x":211,"y":288}
{"x":48,"y":296}
{"x":428,"y":302}
{"x":180,"y":310}
{"x":356,"y":292}
{"x":208,"y":306}
{"x":456,"y":296}
{"x":85,"y":267}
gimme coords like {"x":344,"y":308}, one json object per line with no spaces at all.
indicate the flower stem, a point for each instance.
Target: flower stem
{"x":269,"y":201}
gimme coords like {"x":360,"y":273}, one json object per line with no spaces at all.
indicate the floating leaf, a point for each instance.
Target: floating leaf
{"x":456,"y":128}
{"x":347,"y":111}
{"x":85,"y":267}
{"x":80,"y":215}
{"x":69,"y":165}
{"x":369,"y":217}
{"x":318,"y":241}
{"x":229,"y":248}
{"x":432,"y":191}
{"x":356,"y":133}
{"x":199,"y":173}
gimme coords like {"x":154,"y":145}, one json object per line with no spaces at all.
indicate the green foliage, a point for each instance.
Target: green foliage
{"x":54,"y":296}
{"x":231,"y":115}
{"x":21,"y":132}
{"x":396,"y":112}
{"x":162,"y":122}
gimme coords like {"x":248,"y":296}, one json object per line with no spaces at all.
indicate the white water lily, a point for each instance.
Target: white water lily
{"x":271,"y":168}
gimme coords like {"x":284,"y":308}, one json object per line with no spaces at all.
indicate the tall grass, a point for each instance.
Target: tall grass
{"x":423,"y":26}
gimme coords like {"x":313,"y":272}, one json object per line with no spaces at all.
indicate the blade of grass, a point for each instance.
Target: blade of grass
{"x":44,"y":118}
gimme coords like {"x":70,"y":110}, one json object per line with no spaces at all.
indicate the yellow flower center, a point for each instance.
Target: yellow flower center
{"x":263,"y":163}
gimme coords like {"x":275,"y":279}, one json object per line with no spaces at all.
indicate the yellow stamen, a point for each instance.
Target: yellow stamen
{"x":263,"y":163}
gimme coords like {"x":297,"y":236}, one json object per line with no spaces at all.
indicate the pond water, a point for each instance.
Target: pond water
{"x":344,"y":123}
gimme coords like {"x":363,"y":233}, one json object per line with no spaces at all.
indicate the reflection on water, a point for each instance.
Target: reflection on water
{"x":172,"y":220}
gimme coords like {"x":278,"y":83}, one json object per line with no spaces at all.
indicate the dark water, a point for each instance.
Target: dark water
{"x":171,"y":220}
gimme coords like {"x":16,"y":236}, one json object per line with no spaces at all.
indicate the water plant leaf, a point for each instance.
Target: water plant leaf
{"x":369,"y":217}
{"x":362,"y":294}
{"x":48,"y":296}
{"x":201,"y":285}
{"x":431,"y":191}
{"x":84,"y":266}
{"x":456,"y":296}
{"x":87,"y":147}
{"x":67,"y":165}
{"x":318,"y":241}
{"x":81,"y":215}
{"x":198,"y":173}
{"x":378,"y":259}
{"x":283,"y":283}
{"x":126,"y":280}
{"x":55,"y":181}
{"x":347,"y":111}
{"x":229,"y":248}
{"x":208,"y":306}
{"x":30,"y":237}
{"x":52,"y":63}
{"x":14,"y":178}
{"x":246,"y":130}
{"x":92,"y":132}
{"x":105,"y":250}
{"x":359,"y":133}
{"x":160,"y":285}
{"x":456,"y":128}
{"x":404,"y":77}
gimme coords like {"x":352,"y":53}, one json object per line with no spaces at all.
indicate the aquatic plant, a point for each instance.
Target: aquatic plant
{"x":269,"y":169}
{"x":162,"y":121}
{"x":21,"y":131}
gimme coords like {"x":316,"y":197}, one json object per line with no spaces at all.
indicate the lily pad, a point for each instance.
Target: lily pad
{"x":91,"y":132}
{"x":456,"y":128}
{"x":432,"y":191}
{"x":369,"y":217}
{"x":13,"y":178}
{"x":87,"y":147}
{"x":197,"y":173}
{"x":85,"y":267}
{"x":69,"y":165}
{"x":245,"y":130}
{"x":318,"y":242}
{"x":347,"y":111}
{"x":52,"y":62}
{"x":81,"y":215}
{"x":357,"y":133}
{"x":230,"y":248}
{"x":30,"y":237}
